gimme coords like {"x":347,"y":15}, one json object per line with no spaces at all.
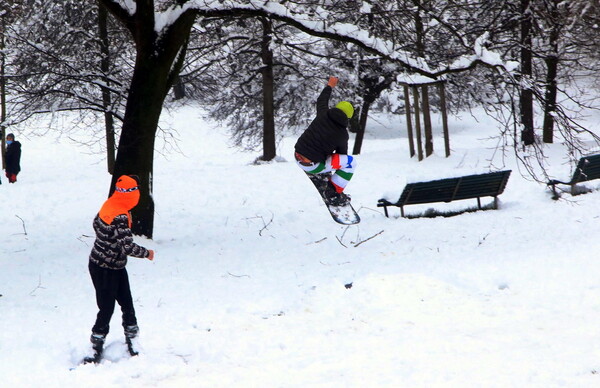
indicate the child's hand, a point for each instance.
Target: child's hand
{"x":332,"y":81}
{"x":151,"y":254}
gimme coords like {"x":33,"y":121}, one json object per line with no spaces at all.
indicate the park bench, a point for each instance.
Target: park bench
{"x":588,"y":168}
{"x":451,"y":189}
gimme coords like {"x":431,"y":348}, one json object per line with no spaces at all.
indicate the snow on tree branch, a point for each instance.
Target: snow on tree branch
{"x":481,"y":55}
{"x":314,"y":21}
{"x":129,"y":6}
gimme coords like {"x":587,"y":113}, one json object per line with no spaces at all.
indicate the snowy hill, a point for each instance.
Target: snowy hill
{"x":248,"y":288}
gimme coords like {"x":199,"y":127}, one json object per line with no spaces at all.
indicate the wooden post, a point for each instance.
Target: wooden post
{"x":442,"y":91}
{"x":427,"y":121}
{"x":418,"y":121}
{"x":409,"y":128}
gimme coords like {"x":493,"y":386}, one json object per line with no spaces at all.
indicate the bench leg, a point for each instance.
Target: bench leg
{"x":555,"y":196}
{"x":496,"y":203}
{"x":479,"y":203}
{"x":402,"y":211}
{"x":385,"y":211}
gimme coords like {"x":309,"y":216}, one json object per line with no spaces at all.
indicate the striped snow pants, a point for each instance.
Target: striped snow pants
{"x":343,"y":165}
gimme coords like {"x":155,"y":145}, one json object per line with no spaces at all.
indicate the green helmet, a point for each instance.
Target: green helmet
{"x":346,"y":107}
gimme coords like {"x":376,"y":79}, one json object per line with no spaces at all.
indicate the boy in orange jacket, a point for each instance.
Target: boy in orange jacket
{"x":107,"y":261}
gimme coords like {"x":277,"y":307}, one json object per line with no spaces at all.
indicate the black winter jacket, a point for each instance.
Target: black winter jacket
{"x":114,"y":243}
{"x":13,"y":158}
{"x":326,"y":134}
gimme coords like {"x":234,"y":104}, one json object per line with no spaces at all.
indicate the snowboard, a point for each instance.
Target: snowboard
{"x":345,"y":215}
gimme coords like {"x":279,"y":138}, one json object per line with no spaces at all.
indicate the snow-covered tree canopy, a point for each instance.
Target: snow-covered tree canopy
{"x":316,"y":18}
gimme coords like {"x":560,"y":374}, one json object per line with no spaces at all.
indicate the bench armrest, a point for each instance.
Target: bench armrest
{"x":555,"y":182}
{"x":384,"y":202}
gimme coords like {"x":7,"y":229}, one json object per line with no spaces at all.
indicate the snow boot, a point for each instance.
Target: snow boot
{"x":334,"y":198}
{"x":97,"y":341}
{"x":131,"y":333}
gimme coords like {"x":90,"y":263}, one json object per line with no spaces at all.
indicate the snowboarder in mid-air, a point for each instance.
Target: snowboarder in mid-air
{"x":114,"y":242}
{"x":323,"y":148}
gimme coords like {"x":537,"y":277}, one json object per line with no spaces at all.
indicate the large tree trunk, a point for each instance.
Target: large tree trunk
{"x":136,"y":145}
{"x":526,"y":97}
{"x":158,"y":62}
{"x":550,"y":100}
{"x":106,"y":97}
{"x":269,"y":143}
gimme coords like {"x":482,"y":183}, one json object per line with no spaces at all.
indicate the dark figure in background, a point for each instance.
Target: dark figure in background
{"x":13,"y":158}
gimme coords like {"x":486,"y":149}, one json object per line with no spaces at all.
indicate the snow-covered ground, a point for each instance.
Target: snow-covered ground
{"x":248,"y":288}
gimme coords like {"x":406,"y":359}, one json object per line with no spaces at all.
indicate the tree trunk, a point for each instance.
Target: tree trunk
{"x":2,"y":93}
{"x":159,"y":58}
{"x":362,"y":125}
{"x":552,"y":71}
{"x":419,"y":30}
{"x":550,"y":100}
{"x":354,"y":123}
{"x":526,"y":97}
{"x":136,"y":146}
{"x":106,"y":97}
{"x":178,"y":89}
{"x":420,"y":51}
{"x":269,"y":144}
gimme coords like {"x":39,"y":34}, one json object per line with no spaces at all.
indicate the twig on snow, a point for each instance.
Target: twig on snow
{"x":238,"y":276}
{"x":265,"y":227}
{"x":38,"y":286}
{"x":318,"y":241}
{"x":372,"y":237}
{"x":483,"y":239}
{"x":183,"y":357}
{"x":345,"y":230}
{"x":265,"y":224}
{"x":342,"y":236}
{"x":84,"y":235}
{"x":327,"y":264}
{"x":368,"y":208}
{"x":340,"y":241}
{"x":22,"y":222}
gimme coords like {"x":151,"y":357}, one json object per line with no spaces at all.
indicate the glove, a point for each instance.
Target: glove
{"x":332,"y":81}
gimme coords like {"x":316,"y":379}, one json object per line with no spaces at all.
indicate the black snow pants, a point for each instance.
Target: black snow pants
{"x":111,"y":285}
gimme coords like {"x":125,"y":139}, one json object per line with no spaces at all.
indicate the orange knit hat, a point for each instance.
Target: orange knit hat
{"x":125,"y":197}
